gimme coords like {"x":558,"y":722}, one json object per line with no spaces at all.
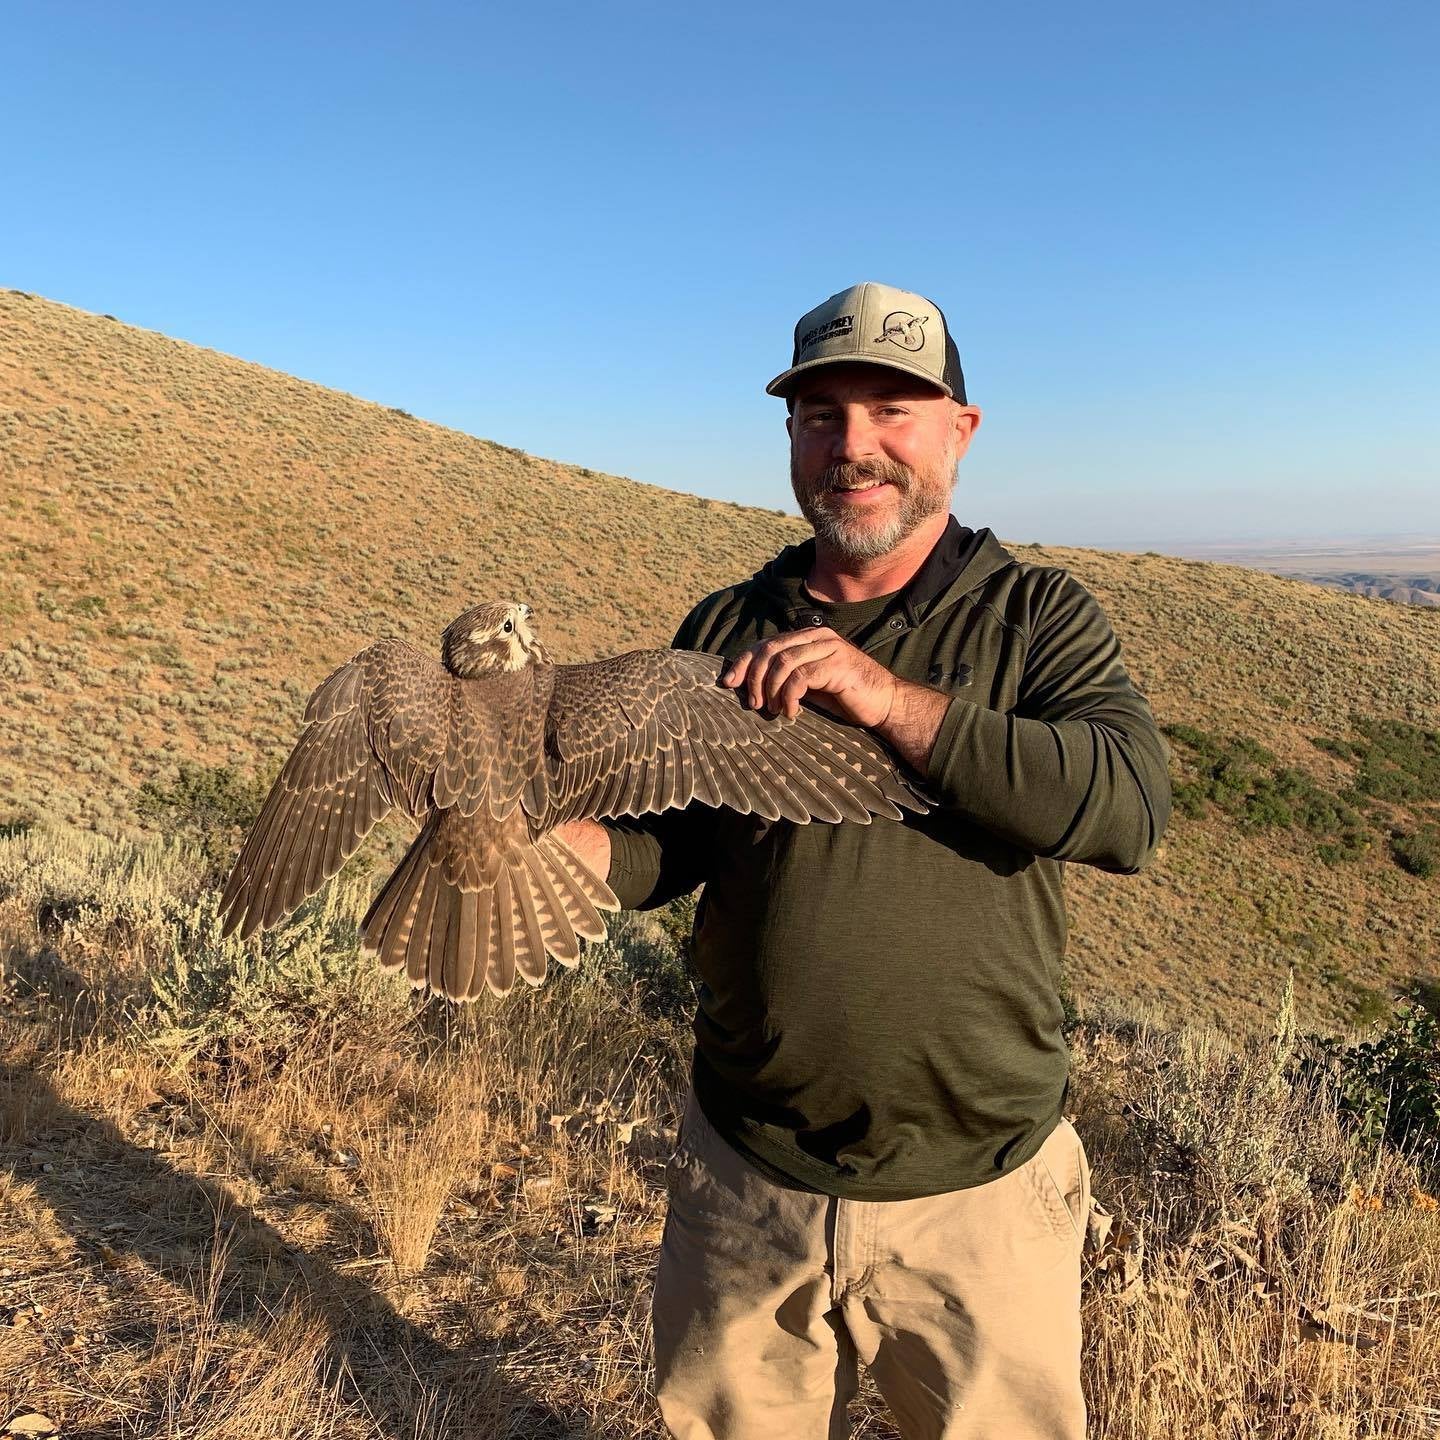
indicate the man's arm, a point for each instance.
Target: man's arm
{"x":590,"y":840}
{"x":1077,"y":771}
{"x":912,"y":723}
{"x":646,"y":861}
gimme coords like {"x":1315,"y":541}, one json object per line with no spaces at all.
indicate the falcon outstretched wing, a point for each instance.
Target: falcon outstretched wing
{"x":652,"y":729}
{"x":374,"y":738}
{"x":490,"y":764}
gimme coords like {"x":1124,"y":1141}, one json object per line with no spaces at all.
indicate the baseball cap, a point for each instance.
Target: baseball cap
{"x":876,"y":325}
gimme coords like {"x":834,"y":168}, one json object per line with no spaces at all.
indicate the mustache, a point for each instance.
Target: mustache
{"x":857,"y":472}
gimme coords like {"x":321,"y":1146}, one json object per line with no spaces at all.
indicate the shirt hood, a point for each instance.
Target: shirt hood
{"x":961,"y":561}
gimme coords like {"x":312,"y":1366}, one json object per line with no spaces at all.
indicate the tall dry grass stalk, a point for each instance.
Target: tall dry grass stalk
{"x":413,"y":1166}
{"x":1273,"y":1275}
{"x":220,"y":1376}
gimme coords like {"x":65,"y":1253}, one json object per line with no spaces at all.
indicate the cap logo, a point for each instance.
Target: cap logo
{"x":904,"y":329}
{"x":834,"y":329}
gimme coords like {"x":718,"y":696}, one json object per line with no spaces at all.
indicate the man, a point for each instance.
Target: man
{"x":873,"y":1161}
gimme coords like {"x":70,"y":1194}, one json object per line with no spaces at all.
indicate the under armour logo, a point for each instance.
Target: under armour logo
{"x":960,"y":675}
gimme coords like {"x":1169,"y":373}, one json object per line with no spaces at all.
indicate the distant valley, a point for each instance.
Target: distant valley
{"x":1405,"y":569}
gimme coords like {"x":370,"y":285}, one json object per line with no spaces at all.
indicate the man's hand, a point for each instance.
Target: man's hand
{"x":778,"y":673}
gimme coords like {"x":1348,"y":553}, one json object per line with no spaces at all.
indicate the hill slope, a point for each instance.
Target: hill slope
{"x":192,"y":542}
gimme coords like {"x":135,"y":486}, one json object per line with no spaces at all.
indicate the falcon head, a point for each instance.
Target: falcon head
{"x":489,"y":639}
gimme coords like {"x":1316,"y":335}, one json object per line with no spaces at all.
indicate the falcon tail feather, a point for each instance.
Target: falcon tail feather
{"x":461,"y":941}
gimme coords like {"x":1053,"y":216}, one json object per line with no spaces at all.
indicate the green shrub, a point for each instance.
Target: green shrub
{"x":1189,"y":798}
{"x":1223,"y":1116}
{"x":1368,"y":1006}
{"x":1417,"y":851}
{"x":1264,"y":807}
{"x":1351,"y":845}
{"x":1389,"y":1087}
{"x":641,"y":953}
{"x":1399,"y":762}
{"x":677,"y":919}
{"x":1247,"y":782}
{"x":266,"y":990}
{"x":211,"y":805}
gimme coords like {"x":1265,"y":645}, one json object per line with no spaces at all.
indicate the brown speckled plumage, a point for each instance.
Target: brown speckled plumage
{"x":493,"y":748}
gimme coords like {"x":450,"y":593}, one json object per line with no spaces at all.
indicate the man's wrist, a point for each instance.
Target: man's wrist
{"x":913,"y":721}
{"x":592,"y":843}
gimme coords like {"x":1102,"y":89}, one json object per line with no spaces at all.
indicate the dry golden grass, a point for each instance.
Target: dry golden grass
{"x":392,"y":1219}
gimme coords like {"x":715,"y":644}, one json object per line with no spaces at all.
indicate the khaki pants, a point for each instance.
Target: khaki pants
{"x":965,"y":1306}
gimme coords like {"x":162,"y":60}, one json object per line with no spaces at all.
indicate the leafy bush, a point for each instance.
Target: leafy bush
{"x":1351,"y":845}
{"x":677,"y":919}
{"x":1245,"y":780}
{"x":1216,"y":1124}
{"x":1398,"y":762}
{"x":268,"y":989}
{"x":1389,"y":1087}
{"x":211,"y":805}
{"x":1417,"y":851}
{"x":1189,"y":798}
{"x":641,"y":950}
{"x":104,"y":886}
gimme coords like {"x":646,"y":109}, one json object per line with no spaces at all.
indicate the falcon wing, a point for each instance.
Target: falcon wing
{"x":651,"y":730}
{"x":374,"y":737}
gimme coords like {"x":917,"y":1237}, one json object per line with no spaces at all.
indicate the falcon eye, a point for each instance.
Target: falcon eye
{"x":509,"y":626}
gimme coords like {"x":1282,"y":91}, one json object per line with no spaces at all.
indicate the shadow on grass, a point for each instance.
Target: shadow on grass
{"x":126,"y":1205}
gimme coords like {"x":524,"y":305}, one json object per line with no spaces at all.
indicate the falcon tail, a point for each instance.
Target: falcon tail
{"x":461,"y":938}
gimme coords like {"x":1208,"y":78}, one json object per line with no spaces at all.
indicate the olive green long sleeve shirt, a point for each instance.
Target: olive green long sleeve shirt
{"x":879,"y":1014}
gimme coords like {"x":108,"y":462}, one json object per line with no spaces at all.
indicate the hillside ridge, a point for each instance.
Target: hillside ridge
{"x":194,"y":541}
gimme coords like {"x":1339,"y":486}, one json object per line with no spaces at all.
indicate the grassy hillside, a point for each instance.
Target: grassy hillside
{"x":192,"y":542}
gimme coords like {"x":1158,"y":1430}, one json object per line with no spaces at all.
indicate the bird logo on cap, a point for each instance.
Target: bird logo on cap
{"x":904,"y":329}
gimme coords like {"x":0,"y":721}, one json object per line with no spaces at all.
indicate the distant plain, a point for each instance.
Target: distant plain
{"x":1400,"y":568}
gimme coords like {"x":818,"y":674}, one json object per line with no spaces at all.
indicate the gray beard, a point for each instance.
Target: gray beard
{"x":851,"y":534}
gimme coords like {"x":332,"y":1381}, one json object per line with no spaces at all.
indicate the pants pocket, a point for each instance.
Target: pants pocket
{"x":688,"y":1139}
{"x":1062,"y":1178}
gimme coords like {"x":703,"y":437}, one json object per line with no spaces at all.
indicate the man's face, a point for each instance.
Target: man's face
{"x":873,"y":454}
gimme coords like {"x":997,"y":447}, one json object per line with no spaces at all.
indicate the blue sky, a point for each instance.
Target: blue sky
{"x":1189,"y":254}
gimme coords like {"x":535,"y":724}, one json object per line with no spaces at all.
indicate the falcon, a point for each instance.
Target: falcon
{"x":492,"y":747}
